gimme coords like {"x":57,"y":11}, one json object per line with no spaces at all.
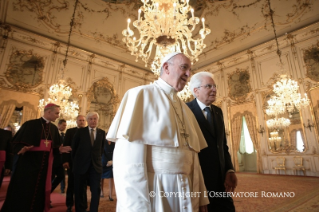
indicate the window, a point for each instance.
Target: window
{"x":299,"y":141}
{"x":246,"y":144}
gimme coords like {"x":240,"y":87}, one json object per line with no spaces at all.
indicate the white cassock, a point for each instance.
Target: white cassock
{"x":152,"y":155}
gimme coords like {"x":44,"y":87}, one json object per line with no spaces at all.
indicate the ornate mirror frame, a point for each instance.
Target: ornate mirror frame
{"x":25,"y":70}
{"x":286,"y":144}
{"x":105,"y":100}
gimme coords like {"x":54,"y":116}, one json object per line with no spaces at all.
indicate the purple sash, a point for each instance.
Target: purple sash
{"x":2,"y":159}
{"x":45,"y":145}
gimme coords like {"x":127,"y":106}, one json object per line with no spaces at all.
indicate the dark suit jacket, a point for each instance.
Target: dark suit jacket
{"x":83,"y":153}
{"x":67,"y":157}
{"x":5,"y":144}
{"x":215,"y":160}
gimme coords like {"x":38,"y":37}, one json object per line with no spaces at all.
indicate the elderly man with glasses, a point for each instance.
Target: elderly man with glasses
{"x":215,"y":160}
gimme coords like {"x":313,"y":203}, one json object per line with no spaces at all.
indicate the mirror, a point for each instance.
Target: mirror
{"x":102,"y":99}
{"x":284,"y":139}
{"x":25,"y":69}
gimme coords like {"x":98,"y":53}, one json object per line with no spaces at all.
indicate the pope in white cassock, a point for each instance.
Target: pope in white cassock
{"x":155,"y":160}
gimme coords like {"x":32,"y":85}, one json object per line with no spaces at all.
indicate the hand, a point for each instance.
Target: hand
{"x":65,"y":149}
{"x":66,"y":165}
{"x":230,"y":182}
{"x":109,"y":163}
{"x":24,"y":149}
{"x":203,"y":208}
{"x":7,"y":172}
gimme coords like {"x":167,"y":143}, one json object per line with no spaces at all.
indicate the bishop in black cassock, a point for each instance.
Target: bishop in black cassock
{"x":34,"y":143}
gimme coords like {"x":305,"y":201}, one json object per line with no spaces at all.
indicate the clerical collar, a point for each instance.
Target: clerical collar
{"x":46,"y":120}
{"x":202,"y":105}
{"x":165,"y":86}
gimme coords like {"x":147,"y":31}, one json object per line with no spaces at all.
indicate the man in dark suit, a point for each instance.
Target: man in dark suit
{"x":68,"y":164}
{"x":57,"y":167}
{"x":5,"y":153}
{"x":215,"y":161}
{"x":87,"y":149}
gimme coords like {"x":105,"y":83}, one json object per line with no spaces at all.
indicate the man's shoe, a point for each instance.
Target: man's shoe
{"x":51,"y":205}
{"x":69,"y":210}
{"x":110,"y":198}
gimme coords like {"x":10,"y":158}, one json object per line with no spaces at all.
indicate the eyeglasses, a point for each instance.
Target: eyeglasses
{"x":209,"y":86}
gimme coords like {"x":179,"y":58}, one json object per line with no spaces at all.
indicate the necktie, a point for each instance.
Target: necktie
{"x":62,"y":136}
{"x":92,"y":136}
{"x":210,"y":118}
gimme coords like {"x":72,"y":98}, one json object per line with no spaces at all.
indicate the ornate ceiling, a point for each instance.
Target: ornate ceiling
{"x":236,"y":25}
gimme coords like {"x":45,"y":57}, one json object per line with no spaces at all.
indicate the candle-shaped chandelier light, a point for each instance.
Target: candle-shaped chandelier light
{"x":165,"y":26}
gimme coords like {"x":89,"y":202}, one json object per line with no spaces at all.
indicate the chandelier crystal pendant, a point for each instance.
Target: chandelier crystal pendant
{"x":164,"y":27}
{"x":60,"y":92}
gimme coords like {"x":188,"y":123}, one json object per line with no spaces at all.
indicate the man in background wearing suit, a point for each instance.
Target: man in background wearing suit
{"x":68,"y":164}
{"x":215,"y":161}
{"x":87,"y":149}
{"x":57,"y":167}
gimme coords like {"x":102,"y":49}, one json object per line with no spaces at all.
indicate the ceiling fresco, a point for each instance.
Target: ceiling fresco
{"x":236,"y":25}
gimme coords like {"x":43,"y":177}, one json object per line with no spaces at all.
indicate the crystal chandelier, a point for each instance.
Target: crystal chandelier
{"x":60,"y":92}
{"x":164,"y":25}
{"x":278,"y":123}
{"x":185,"y":94}
{"x":286,"y":98}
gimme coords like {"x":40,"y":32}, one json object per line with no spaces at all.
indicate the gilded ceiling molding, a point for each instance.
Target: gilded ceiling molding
{"x":44,"y":10}
{"x":113,"y":40}
{"x":4,"y":84}
{"x":239,"y":85}
{"x":230,"y":36}
{"x":25,"y":70}
{"x":300,"y":8}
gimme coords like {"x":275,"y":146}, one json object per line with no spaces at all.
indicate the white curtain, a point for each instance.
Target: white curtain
{"x":6,"y":112}
{"x":251,"y":125}
{"x":236,"y":135}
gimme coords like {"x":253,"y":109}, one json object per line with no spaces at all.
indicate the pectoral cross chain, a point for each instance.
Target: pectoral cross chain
{"x":46,"y":143}
{"x":185,"y":135}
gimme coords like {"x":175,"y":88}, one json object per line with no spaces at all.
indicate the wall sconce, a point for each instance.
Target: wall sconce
{"x":309,"y":125}
{"x":261,"y":130}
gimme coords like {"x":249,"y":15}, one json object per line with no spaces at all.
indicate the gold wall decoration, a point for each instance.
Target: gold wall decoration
{"x":311,"y":58}
{"x":314,"y":97}
{"x":103,"y":99}
{"x":239,"y":85}
{"x":25,"y":70}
